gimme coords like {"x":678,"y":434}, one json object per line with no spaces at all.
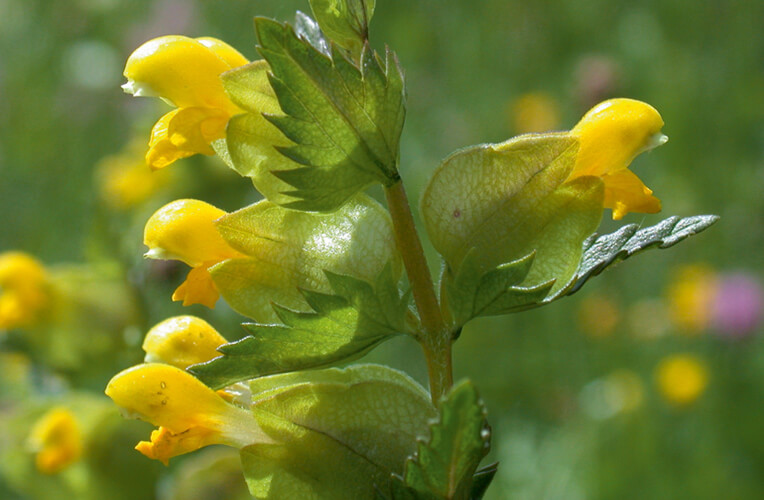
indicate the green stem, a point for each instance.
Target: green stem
{"x":435,"y":337}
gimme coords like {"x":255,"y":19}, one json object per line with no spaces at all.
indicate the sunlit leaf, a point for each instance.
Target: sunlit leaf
{"x":345,"y":122}
{"x":288,"y":250}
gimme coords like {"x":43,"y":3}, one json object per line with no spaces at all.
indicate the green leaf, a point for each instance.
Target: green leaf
{"x":599,"y":252}
{"x":343,"y":327}
{"x":285,"y":250}
{"x":472,"y":292}
{"x":444,"y":466}
{"x":505,"y":201}
{"x":345,"y":122}
{"x":345,"y":22}
{"x":338,"y":433}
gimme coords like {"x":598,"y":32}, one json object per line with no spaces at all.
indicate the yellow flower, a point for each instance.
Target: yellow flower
{"x":690,"y":298}
{"x":124,"y":181}
{"x":681,"y":379}
{"x":57,"y":441}
{"x":611,"y":135}
{"x":189,"y":414}
{"x":534,"y":112}
{"x":24,"y":290}
{"x":185,"y":72}
{"x":185,"y":230}
{"x":182,"y":341}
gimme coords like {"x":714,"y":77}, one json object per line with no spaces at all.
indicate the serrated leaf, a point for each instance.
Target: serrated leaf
{"x":342,"y":327}
{"x":509,"y":200}
{"x":344,"y":121}
{"x":345,"y":22}
{"x":473,"y":292}
{"x":251,"y":140}
{"x":339,"y":432}
{"x":287,"y":250}
{"x":599,"y":252}
{"x":444,"y":465}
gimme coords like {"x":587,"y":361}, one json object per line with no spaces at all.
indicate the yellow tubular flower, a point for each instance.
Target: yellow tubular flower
{"x":24,"y":293}
{"x":611,"y":135}
{"x":57,"y":441}
{"x":189,"y":414}
{"x":182,"y":341}
{"x":185,"y":72}
{"x":185,"y":230}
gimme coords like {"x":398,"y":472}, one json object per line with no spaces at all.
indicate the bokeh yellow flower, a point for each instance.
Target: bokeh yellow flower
{"x":189,"y":414}
{"x":610,"y":136}
{"x":534,"y":112}
{"x":182,"y":341}
{"x":185,"y":230}
{"x":24,"y":290}
{"x":681,"y":378}
{"x":124,"y":181}
{"x":690,"y":298}
{"x":186,"y":73}
{"x":56,"y":440}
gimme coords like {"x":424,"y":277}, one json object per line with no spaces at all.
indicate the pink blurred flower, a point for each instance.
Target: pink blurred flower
{"x":737,"y":306}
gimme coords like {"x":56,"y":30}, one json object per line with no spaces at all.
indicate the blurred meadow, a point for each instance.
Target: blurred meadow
{"x":647,"y":384}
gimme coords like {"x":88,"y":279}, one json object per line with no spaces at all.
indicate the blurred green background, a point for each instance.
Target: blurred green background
{"x":579,"y":403}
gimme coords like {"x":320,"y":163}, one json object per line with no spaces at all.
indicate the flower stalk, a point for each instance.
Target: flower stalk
{"x":434,"y":335}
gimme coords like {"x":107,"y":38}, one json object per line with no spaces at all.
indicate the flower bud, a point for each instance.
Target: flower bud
{"x":182,"y":341}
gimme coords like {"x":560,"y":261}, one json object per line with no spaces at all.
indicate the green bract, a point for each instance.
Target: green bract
{"x":472,"y":292}
{"x":344,"y":326}
{"x":340,"y":433}
{"x":251,"y":140}
{"x":444,"y":465}
{"x":503,"y":202}
{"x":289,"y":250}
{"x":344,"y":22}
{"x":345,"y":122}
